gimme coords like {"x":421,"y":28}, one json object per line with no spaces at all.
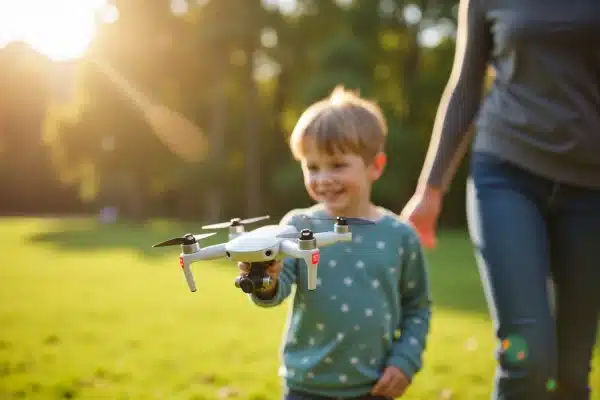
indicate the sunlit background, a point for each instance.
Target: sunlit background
{"x":63,"y":29}
{"x":131,"y":42}
{"x":126,"y":122}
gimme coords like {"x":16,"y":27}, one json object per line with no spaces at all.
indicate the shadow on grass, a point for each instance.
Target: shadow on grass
{"x":86,"y":234}
{"x":455,"y":280}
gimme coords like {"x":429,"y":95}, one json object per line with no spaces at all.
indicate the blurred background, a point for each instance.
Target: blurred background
{"x":126,"y":122}
{"x":73,"y":140}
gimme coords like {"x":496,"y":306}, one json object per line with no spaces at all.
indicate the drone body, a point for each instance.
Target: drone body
{"x":260,"y":247}
{"x":261,"y":244}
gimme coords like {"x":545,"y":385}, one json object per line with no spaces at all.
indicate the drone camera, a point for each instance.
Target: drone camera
{"x":245,"y":284}
{"x":257,"y":278}
{"x":249,"y":285}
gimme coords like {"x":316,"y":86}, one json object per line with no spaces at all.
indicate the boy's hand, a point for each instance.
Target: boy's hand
{"x":393,"y":383}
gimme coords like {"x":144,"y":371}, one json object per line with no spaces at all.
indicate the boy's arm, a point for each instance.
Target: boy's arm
{"x":408,"y":349}
{"x":287,"y":277}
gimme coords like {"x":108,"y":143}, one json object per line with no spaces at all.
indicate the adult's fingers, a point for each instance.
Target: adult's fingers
{"x":428,"y":238}
{"x":425,"y":228}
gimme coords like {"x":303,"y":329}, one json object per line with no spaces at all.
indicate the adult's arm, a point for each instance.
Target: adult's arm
{"x":461,"y":98}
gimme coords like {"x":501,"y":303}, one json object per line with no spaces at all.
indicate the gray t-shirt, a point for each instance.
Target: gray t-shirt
{"x":543,"y":110}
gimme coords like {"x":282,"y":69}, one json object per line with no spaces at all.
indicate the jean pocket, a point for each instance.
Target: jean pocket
{"x":487,"y":168}
{"x":486,"y":159}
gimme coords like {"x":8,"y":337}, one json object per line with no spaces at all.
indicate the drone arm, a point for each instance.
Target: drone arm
{"x":187,"y":272}
{"x":207,"y":253}
{"x":291,"y":248}
{"x":327,"y":238}
{"x":310,"y":256}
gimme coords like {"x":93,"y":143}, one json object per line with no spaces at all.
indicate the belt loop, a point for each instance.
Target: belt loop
{"x":553,"y":193}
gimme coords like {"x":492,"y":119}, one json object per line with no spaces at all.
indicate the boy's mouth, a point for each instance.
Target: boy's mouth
{"x":329,"y":195}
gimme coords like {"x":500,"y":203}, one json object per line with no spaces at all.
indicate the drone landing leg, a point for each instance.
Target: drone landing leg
{"x":257,"y":278}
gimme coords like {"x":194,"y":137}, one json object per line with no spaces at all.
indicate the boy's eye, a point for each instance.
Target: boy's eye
{"x":334,"y":165}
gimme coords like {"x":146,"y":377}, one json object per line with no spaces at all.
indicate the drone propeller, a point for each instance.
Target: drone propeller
{"x":342,"y":220}
{"x":236,"y":222}
{"x":188,"y":238}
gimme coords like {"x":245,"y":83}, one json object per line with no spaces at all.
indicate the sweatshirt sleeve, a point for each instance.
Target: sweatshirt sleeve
{"x":408,"y":348}
{"x":461,"y":98}
{"x":287,"y":277}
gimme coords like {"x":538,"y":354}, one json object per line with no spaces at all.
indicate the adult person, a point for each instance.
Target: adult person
{"x":533,"y":194}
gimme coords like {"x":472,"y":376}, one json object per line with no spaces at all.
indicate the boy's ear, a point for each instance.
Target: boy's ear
{"x":378,"y":165}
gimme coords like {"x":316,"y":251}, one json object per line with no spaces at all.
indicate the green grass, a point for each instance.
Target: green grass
{"x":92,"y":312}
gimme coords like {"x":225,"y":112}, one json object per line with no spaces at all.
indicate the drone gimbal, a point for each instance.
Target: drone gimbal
{"x":258,"y":278}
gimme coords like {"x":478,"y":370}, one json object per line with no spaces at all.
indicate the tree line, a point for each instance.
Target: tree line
{"x":241,"y":71}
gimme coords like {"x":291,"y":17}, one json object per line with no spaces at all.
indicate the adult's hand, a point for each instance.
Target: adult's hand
{"x":423,"y":211}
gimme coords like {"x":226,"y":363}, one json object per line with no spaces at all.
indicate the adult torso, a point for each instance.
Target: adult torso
{"x":543,"y":110}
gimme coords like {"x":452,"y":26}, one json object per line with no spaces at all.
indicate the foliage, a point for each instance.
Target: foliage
{"x":242,"y":72}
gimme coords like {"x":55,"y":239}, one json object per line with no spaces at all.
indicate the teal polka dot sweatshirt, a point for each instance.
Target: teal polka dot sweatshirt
{"x":371,"y":308}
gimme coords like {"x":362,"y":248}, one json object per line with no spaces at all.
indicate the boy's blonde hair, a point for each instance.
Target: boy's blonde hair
{"x":343,"y":122}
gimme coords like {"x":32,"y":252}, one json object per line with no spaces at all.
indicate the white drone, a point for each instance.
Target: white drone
{"x":260,"y":247}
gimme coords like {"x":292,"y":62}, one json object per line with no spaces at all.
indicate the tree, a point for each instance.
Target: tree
{"x":26,"y":170}
{"x":97,"y":139}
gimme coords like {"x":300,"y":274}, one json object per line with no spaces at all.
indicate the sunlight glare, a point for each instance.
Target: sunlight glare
{"x":59,"y":29}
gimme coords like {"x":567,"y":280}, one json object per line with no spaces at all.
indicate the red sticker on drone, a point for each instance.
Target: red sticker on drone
{"x":181,"y":262}
{"x":315,"y":258}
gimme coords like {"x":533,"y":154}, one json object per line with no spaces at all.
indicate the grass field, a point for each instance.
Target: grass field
{"x":92,"y":312}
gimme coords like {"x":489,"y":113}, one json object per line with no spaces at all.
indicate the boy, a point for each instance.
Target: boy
{"x":342,"y":338}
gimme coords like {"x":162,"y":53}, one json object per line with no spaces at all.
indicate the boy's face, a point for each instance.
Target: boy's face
{"x":341,"y":181}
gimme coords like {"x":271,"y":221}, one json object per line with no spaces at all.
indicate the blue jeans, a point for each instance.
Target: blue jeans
{"x":525,"y":230}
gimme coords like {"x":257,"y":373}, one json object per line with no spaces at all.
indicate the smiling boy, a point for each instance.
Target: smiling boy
{"x":362,"y":333}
